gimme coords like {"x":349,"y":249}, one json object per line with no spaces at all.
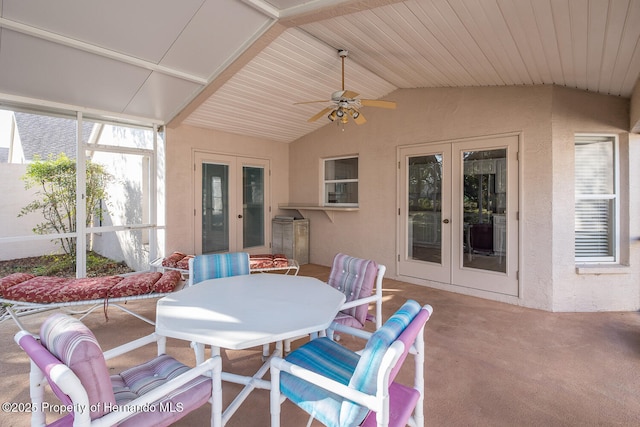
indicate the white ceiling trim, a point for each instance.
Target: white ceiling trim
{"x":20,"y":101}
{"x":280,"y":13}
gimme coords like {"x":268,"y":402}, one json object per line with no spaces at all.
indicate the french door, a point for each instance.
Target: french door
{"x":232,"y":203}
{"x":459,"y":213}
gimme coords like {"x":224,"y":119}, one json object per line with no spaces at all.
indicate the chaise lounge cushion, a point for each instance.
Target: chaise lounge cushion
{"x":48,"y":289}
{"x":13,"y":279}
{"x":173,"y":259}
{"x":280,"y":260}
{"x":86,"y":289}
{"x":168,"y":282}
{"x":40,"y":289}
{"x":183,"y":264}
{"x":136,"y":284}
{"x":259,"y":261}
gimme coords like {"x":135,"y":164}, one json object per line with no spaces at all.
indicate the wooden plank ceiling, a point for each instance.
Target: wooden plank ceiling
{"x":241,"y":67}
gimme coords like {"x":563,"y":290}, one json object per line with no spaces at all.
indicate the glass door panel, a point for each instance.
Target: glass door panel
{"x":425,"y":208}
{"x":484,"y":203}
{"x":215,"y":208}
{"x":253,"y":225}
{"x":425,"y":239}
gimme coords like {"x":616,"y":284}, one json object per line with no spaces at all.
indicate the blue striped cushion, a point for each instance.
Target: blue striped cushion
{"x":215,"y":266}
{"x":365,"y":375}
{"x":326,"y":358}
{"x":332,"y":360}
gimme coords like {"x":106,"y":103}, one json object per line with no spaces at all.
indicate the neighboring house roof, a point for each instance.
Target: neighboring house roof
{"x":4,"y":154}
{"x":47,"y":135}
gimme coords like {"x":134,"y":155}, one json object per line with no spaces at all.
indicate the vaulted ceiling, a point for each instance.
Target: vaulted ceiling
{"x":241,"y":66}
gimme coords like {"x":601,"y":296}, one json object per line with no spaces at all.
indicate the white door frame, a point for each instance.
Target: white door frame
{"x":235,"y":202}
{"x":451,"y":274}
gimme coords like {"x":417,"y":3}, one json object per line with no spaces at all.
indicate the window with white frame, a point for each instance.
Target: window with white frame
{"x":597,"y":198}
{"x":341,"y":181}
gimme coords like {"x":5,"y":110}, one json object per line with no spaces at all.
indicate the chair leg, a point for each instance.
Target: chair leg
{"x":216,"y":395}
{"x":36,"y":379}
{"x":275,"y":402}
{"x":266,"y":351}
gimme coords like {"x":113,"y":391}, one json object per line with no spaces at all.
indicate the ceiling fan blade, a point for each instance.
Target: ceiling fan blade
{"x":310,"y":102}
{"x":349,"y":94}
{"x":320,"y":114}
{"x":377,"y":103}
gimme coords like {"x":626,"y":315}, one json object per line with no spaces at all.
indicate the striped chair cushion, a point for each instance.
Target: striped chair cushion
{"x":365,"y":375}
{"x":355,"y":278}
{"x":137,"y":381}
{"x":215,"y":266}
{"x":328,"y":359}
{"x":334,"y":361}
{"x":75,"y":345}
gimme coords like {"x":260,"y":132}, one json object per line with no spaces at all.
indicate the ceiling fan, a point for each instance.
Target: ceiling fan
{"x":345,"y":104}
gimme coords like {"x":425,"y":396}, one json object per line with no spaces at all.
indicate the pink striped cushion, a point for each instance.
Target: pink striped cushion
{"x":75,"y":345}
{"x":137,"y":381}
{"x":354,"y":277}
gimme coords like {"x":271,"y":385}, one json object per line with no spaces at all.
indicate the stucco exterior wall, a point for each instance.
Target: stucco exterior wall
{"x":450,"y":114}
{"x":15,"y":198}
{"x":591,"y":288}
{"x":422,"y":116}
{"x":181,"y":142}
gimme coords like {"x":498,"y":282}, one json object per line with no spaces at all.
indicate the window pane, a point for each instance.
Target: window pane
{"x":341,"y":169}
{"x":596,"y":199}
{"x":594,"y":168}
{"x":342,"y":192}
{"x":253,"y":206}
{"x":425,"y":208}
{"x":594,"y":228}
{"x":215,"y":208}
{"x":118,"y":136}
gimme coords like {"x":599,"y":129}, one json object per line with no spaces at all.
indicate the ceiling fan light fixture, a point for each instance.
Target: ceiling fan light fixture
{"x":345,"y":103}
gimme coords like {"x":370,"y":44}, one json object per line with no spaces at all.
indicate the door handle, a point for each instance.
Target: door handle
{"x":240,"y":216}
{"x":446,"y":221}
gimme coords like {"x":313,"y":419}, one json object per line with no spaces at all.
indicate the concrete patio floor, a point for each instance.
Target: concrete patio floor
{"x":487,"y":363}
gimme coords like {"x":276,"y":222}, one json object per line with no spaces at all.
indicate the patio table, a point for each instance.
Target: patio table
{"x":241,"y":312}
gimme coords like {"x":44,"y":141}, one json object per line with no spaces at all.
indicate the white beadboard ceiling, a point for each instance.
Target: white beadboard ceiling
{"x":240,"y":65}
